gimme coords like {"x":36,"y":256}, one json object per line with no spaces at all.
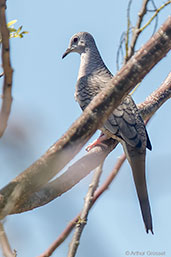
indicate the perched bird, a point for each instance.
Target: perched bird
{"x":125,"y":124}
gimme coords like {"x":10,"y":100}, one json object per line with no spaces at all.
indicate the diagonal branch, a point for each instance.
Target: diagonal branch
{"x":70,"y":178}
{"x":84,"y":213}
{"x":156,"y":99}
{"x":8,"y":71}
{"x":40,"y":172}
{"x":95,"y":157}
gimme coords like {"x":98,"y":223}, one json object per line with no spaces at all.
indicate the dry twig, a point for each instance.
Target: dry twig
{"x":136,"y":31}
{"x":130,"y":50}
{"x":155,"y":14}
{"x":84,"y":213}
{"x":128,"y":30}
{"x":6,"y":249}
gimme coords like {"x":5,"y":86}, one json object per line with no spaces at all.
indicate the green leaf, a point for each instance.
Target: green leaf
{"x":12,"y":30}
{"x":9,"y":24}
{"x":14,"y":33}
{"x":19,"y":29}
{"x":25,"y":32}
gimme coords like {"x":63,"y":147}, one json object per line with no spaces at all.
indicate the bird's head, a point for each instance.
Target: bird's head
{"x":79,"y":43}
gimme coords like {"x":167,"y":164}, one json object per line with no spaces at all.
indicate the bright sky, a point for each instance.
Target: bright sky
{"x":44,"y":107}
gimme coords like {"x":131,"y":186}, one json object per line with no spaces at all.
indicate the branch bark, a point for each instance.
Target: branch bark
{"x":156,"y":99}
{"x":40,"y":172}
{"x":70,"y":178}
{"x":8,"y":71}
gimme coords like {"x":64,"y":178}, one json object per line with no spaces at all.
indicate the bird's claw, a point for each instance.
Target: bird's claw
{"x":96,"y":142}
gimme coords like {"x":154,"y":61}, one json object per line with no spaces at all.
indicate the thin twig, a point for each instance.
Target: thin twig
{"x":136,"y":31}
{"x":84,"y":213}
{"x":156,"y":20}
{"x":120,"y":50}
{"x":8,"y":71}
{"x":6,"y":248}
{"x":152,"y":18}
{"x":128,"y":30}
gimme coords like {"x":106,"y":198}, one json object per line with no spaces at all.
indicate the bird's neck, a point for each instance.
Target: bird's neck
{"x":91,"y":61}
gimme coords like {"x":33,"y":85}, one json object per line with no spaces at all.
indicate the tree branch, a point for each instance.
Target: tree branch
{"x":8,"y":71}
{"x":70,"y":178}
{"x":136,"y":30}
{"x":128,"y":30}
{"x":152,"y":18}
{"x":84,"y":213}
{"x":40,"y":172}
{"x":6,"y":249}
{"x":93,"y":158}
{"x":156,"y":99}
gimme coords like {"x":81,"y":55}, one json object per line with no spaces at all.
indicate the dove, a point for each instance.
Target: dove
{"x":125,"y":124}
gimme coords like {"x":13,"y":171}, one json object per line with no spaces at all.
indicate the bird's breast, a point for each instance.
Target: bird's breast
{"x":84,"y":93}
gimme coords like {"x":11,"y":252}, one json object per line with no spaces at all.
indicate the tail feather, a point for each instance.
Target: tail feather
{"x":136,"y":159}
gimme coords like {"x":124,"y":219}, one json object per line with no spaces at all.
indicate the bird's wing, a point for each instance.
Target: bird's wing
{"x":127,"y":124}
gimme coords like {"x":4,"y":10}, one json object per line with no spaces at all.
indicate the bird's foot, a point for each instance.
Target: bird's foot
{"x":98,"y":141}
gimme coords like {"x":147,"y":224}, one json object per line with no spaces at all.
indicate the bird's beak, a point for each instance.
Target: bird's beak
{"x":69,"y":50}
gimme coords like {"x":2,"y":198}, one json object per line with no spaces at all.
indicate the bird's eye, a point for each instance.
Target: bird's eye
{"x":75,"y":39}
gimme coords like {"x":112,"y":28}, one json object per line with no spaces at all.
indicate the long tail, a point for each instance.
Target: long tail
{"x":137,"y":162}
